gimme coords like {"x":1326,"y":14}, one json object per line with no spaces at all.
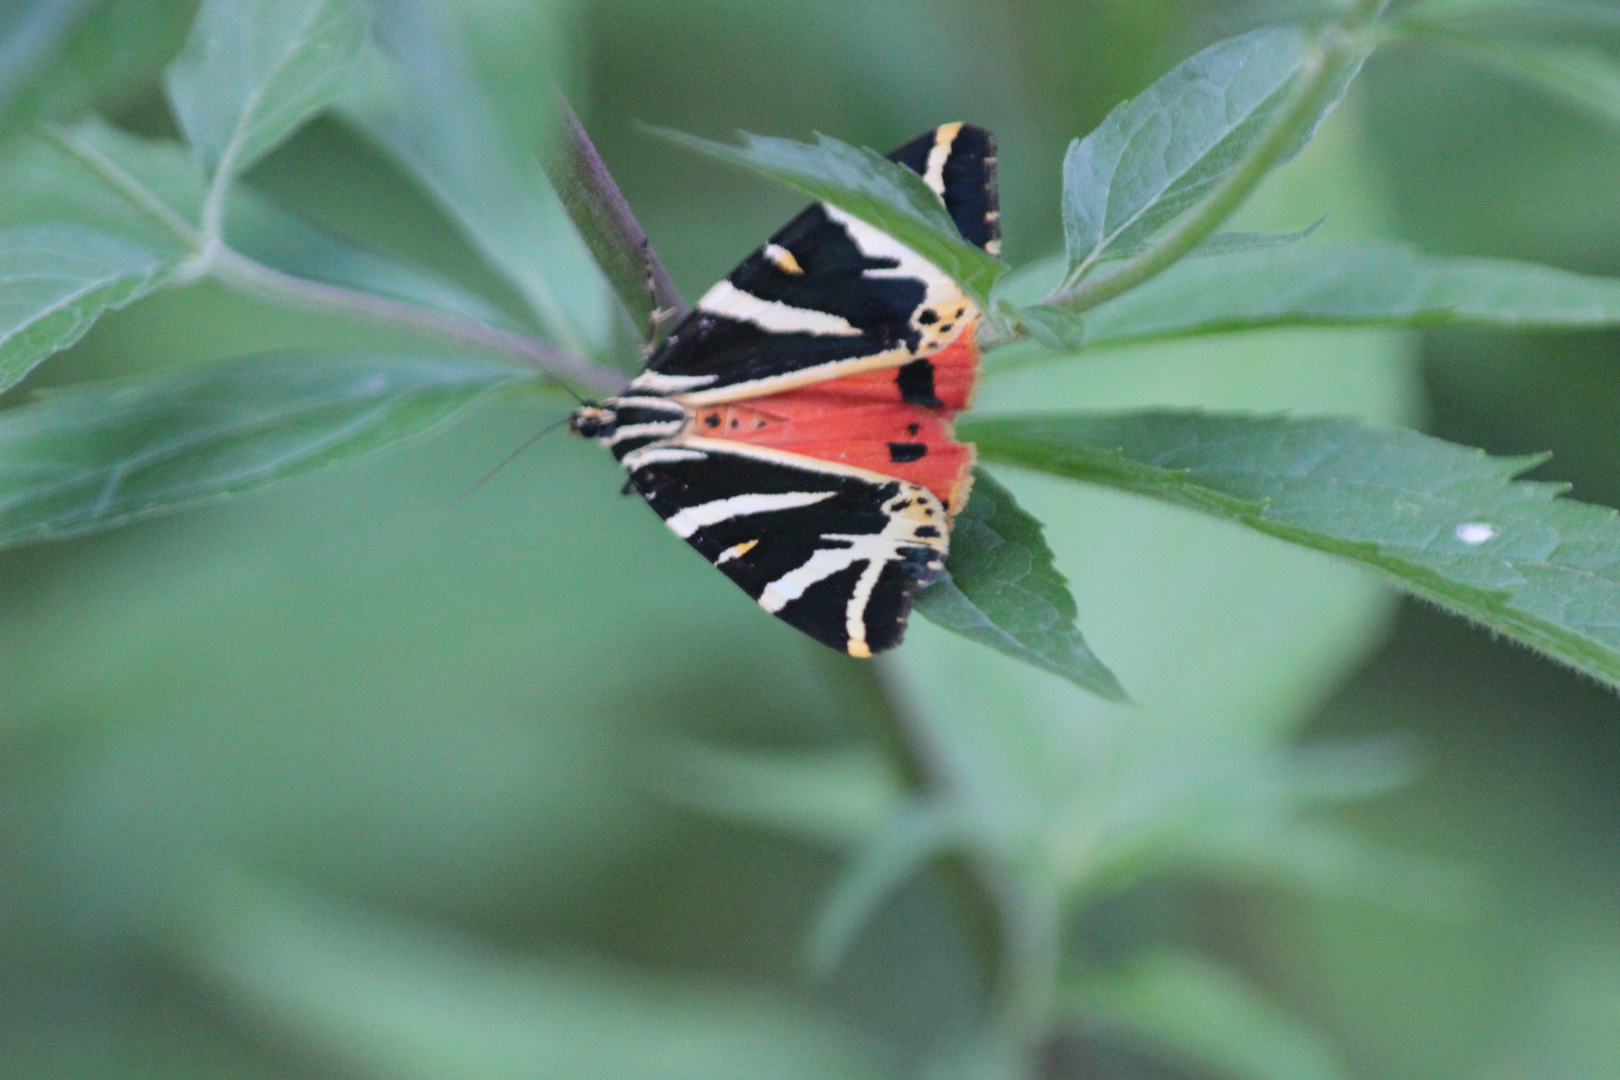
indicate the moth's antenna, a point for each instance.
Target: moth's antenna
{"x":513,"y":456}
{"x":565,"y":388}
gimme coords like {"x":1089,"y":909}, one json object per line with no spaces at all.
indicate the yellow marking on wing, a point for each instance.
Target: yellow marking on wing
{"x":783,"y":259}
{"x":736,"y":551}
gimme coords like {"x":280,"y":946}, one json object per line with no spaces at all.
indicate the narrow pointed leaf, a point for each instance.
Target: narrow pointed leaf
{"x":56,"y":280}
{"x":253,"y":71}
{"x":833,"y":797}
{"x":1355,"y":283}
{"x":1327,"y":862}
{"x":1157,"y":155}
{"x":1446,"y":522}
{"x":374,"y":994}
{"x":1004,"y":591}
{"x":1512,"y":17}
{"x":871,"y":187}
{"x":1206,"y":1013}
{"x":100,"y":455}
{"x":1329,"y":773}
{"x":901,"y":846}
{"x":1586,"y":78}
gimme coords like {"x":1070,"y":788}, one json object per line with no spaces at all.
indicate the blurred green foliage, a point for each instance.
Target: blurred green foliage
{"x":373,"y":776}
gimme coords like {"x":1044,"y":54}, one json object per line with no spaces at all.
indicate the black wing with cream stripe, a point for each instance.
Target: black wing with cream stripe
{"x":959,"y":163}
{"x":829,"y":289}
{"x":838,"y":554}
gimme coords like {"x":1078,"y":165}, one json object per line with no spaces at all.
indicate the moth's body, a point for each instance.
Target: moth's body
{"x":796,"y":427}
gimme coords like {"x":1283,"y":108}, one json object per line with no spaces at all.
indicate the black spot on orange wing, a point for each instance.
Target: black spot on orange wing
{"x":916,"y":383}
{"x":902,"y":453}
{"x":912,"y":429}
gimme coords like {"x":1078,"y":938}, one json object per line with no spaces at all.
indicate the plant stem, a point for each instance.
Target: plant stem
{"x":253,"y":278}
{"x":610,"y":227}
{"x":1335,"y":54}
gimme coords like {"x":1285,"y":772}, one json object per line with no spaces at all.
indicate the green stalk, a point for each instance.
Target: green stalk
{"x":244,"y":275}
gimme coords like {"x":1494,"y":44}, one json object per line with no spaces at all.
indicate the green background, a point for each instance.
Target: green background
{"x":374,"y":776}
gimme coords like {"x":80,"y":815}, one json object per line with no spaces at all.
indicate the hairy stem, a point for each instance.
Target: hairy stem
{"x":245,"y":275}
{"x":1336,"y":53}
{"x":610,"y":229}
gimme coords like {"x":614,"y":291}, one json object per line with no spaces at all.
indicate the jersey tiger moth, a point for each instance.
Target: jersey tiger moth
{"x":796,"y":427}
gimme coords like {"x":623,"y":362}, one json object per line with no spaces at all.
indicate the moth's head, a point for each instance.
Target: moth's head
{"x":592,"y":421}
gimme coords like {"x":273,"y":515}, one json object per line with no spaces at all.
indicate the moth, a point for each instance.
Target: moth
{"x":796,"y":427}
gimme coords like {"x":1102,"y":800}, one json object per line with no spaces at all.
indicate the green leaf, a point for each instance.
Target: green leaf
{"x":1446,"y":522}
{"x":253,"y":71}
{"x":1512,"y":16}
{"x":1002,"y":590}
{"x":379,"y":995}
{"x":869,"y":186}
{"x":148,"y":192}
{"x":31,"y":37}
{"x":1231,"y":243}
{"x":423,"y":100}
{"x":56,"y":280}
{"x":1057,"y":329}
{"x":61,"y":57}
{"x":276,"y":236}
{"x":259,"y":227}
{"x":1587,"y":78}
{"x":833,"y":797}
{"x":1353,"y":283}
{"x":1158,"y":155}
{"x":1329,"y":863}
{"x":100,"y":455}
{"x":899,"y":848}
{"x":1206,"y":1013}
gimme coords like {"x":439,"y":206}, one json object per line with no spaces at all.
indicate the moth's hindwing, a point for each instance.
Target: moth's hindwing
{"x":835,"y":552}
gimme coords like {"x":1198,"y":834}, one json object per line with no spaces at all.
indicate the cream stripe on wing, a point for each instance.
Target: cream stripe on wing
{"x":773,"y":315}
{"x":658,"y":454}
{"x":938,"y":154}
{"x":693,"y":518}
{"x":668,"y":384}
{"x":855,"y":612}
